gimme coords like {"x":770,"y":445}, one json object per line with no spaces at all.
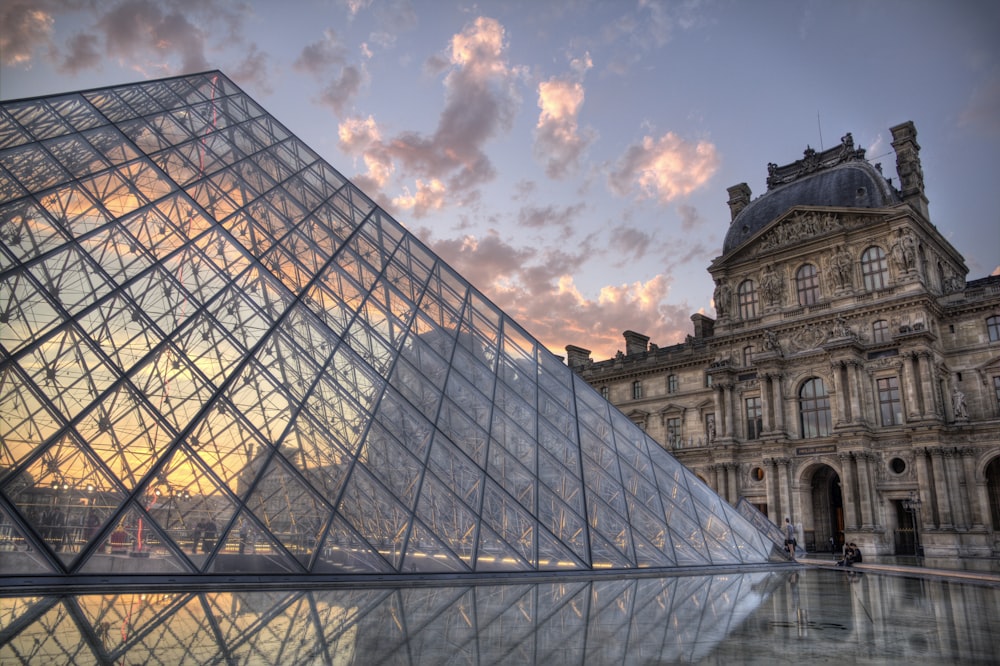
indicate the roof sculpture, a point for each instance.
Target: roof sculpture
{"x":218,"y":356}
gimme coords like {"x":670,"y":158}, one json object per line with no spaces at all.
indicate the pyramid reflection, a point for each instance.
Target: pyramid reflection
{"x":663,"y":620}
{"x":217,"y":356}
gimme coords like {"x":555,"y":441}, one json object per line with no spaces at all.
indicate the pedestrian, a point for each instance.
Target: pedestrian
{"x":790,"y":537}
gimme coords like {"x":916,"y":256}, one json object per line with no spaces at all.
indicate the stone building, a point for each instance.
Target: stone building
{"x":851,"y":379}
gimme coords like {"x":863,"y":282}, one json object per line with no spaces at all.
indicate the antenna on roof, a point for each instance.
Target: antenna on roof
{"x":820,"y":125}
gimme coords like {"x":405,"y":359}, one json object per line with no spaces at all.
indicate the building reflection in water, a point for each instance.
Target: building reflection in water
{"x":688,"y":619}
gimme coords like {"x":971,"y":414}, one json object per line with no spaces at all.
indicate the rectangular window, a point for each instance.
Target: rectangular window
{"x":996,"y":391}
{"x":674,"y":432}
{"x":888,"y":401}
{"x":672,"y":384}
{"x":605,"y":392}
{"x":754,"y":418}
{"x":748,"y":355}
{"x":993,"y":327}
{"x":636,"y":390}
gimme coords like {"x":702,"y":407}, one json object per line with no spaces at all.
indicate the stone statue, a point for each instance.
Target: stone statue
{"x":771,"y":342}
{"x":770,"y":286}
{"x":904,"y":251}
{"x":723,"y":296}
{"x":842,"y":266}
{"x":958,"y":404}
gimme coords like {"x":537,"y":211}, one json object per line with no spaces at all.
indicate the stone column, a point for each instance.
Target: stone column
{"x":972,"y":488}
{"x":931,"y":409}
{"x":765,"y":404}
{"x":941,"y":489}
{"x":728,"y":406}
{"x":784,"y":489}
{"x":909,"y":387}
{"x":719,"y":415}
{"x":924,"y":489}
{"x":734,"y":491}
{"x":771,"y":488}
{"x":847,"y":492}
{"x":838,"y":386}
{"x":952,"y":463}
{"x":854,"y":379}
{"x":779,"y":405}
{"x":865,"y":490}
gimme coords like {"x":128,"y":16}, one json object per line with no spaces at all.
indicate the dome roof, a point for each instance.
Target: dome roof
{"x":854,"y":184}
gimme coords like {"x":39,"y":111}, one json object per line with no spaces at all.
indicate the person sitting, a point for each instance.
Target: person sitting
{"x":848,"y":557}
{"x":856,"y":557}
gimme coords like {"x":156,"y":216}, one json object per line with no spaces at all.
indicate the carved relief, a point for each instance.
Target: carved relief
{"x":809,"y":336}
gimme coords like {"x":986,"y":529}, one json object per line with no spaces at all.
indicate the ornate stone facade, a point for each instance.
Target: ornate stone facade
{"x":851,"y":380}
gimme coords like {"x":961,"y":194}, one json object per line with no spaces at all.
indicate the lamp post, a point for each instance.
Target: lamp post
{"x":912,"y":505}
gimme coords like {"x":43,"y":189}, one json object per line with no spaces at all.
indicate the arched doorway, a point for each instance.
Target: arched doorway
{"x":827,"y":509}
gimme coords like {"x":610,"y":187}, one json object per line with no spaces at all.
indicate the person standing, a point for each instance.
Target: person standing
{"x":790,"y":537}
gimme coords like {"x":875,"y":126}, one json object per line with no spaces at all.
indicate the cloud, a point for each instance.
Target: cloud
{"x":321,"y":55}
{"x":141,"y":28}
{"x":536,"y":288}
{"x":83,"y":54}
{"x":691,"y":219}
{"x":254,"y":69}
{"x":559,"y":142}
{"x":161,"y":37}
{"x":982,"y":111}
{"x":428,"y":197}
{"x":361,"y":136}
{"x":26,"y":26}
{"x":664,"y":169}
{"x":534,"y":217}
{"x":327,"y":60}
{"x":481,"y":100}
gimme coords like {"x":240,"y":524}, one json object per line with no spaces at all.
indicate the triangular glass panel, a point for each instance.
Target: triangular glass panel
{"x":344,"y":551}
{"x":18,"y":553}
{"x":248,"y":547}
{"x":134,"y":544}
{"x":62,"y":494}
{"x":426,"y":554}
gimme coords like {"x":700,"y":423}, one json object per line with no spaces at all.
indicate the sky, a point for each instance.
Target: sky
{"x":570,"y":157}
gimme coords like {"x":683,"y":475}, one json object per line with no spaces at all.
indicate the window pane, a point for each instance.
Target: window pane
{"x":814,"y":409}
{"x":874,"y":268}
{"x":888,"y":400}
{"x":807,"y":281}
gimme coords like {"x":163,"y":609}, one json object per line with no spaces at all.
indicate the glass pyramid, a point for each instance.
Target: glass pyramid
{"x":218,"y":356}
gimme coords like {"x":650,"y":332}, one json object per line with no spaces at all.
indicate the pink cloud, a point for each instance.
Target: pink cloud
{"x":664,"y":168}
{"x":480,"y":102}
{"x":26,"y":26}
{"x":537,"y":289}
{"x":559,"y":141}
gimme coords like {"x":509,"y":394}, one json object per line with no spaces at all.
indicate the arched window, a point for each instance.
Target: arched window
{"x":814,"y":409}
{"x":807,"y":283}
{"x":874,"y":268}
{"x":636,"y":389}
{"x":746,"y":293}
{"x":672,"y":384}
{"x":748,"y":356}
{"x":880,"y":331}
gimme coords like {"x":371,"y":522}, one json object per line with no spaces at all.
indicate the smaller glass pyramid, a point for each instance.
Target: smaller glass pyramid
{"x":218,"y":356}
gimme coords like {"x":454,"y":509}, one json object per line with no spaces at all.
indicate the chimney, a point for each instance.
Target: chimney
{"x":739,"y":197}
{"x":635,"y":343}
{"x":704,"y":327}
{"x":577,"y":357}
{"x":911,"y":176}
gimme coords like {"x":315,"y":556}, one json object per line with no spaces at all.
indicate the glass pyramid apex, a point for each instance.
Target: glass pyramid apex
{"x":218,"y":356}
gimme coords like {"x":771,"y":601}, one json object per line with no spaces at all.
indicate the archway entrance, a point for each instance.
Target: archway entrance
{"x":827,"y":509}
